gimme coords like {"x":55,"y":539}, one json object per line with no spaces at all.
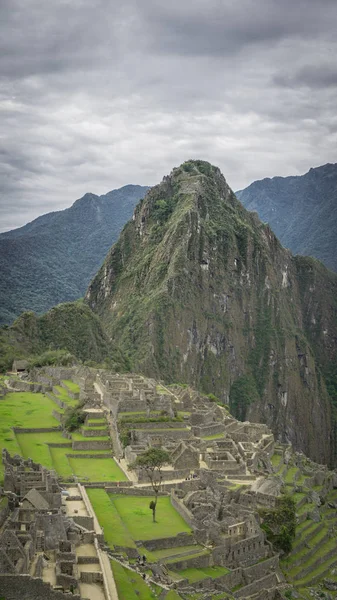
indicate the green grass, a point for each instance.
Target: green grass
{"x":172,"y":595}
{"x":307,"y":507}
{"x":216,"y":436}
{"x":156,"y":555}
{"x":276,"y":459}
{"x":72,"y":387}
{"x":81,"y":438}
{"x":194,"y":575}
{"x":289,"y":478}
{"x":23,"y":409}
{"x":131,"y":586}
{"x":35,"y":446}
{"x":319,"y":570}
{"x":115,"y":533}
{"x":62,"y":394}
{"x":103,"y":469}
{"x":60,"y":461}
{"x":135,"y":513}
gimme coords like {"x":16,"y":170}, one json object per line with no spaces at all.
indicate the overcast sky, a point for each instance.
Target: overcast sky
{"x":96,"y":94}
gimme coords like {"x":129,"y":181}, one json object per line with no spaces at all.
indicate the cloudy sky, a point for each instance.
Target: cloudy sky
{"x":95,"y":94}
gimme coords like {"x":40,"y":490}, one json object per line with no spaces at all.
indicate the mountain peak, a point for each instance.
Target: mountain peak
{"x":198,"y":290}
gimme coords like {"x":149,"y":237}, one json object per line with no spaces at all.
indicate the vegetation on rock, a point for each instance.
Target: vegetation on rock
{"x":280,"y":523}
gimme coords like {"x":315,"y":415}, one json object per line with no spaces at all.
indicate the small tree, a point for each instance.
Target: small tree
{"x":151,"y":462}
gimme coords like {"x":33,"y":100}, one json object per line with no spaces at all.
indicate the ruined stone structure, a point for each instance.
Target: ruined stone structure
{"x":220,"y":475}
{"x":44,"y":542}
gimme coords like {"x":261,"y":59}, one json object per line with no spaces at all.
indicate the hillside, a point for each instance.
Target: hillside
{"x":198,"y":290}
{"x":53,"y":258}
{"x":71,"y":326}
{"x":302,"y":211}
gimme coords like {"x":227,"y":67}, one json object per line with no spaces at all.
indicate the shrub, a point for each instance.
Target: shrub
{"x":74,"y":417}
{"x":280,"y":523}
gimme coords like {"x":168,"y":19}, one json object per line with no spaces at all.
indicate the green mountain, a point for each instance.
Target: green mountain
{"x":198,"y":290}
{"x":53,"y":258}
{"x":302,"y":211}
{"x":71,"y":326}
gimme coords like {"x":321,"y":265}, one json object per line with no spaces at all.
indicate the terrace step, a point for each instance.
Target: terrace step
{"x":308,"y":568}
{"x":311,"y":551}
{"x":173,"y":557}
{"x":331,"y":562}
{"x":315,"y":531}
{"x":266,"y":582}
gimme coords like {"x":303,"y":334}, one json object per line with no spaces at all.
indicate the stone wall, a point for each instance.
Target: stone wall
{"x":211,"y":429}
{"x":197,"y":562}
{"x":182,"y":510}
{"x":267,"y":582}
{"x":4,"y":510}
{"x":95,"y":432}
{"x":130,"y":491}
{"x":84,"y":521}
{"x":182,"y":539}
{"x":167,"y":475}
{"x":36,"y":430}
{"x":91,"y":445}
{"x":25,"y":587}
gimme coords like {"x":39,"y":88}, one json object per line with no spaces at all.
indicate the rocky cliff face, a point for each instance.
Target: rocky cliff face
{"x":198,"y":290}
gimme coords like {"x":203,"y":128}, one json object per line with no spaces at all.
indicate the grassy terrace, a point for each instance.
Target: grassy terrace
{"x":131,"y":586}
{"x":72,"y":387}
{"x":194,"y":575}
{"x":34,"y":410}
{"x":103,"y":469}
{"x":314,"y":541}
{"x":23,"y":409}
{"x":62,"y":394}
{"x":216,"y":436}
{"x":135,"y":513}
{"x":126,"y":519}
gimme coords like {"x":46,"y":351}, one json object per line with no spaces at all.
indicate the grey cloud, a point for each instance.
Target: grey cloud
{"x":95,"y":95}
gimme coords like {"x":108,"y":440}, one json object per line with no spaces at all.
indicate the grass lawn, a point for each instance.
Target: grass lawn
{"x":72,"y":387}
{"x":23,"y":409}
{"x":35,"y":446}
{"x":276,"y":459}
{"x":102,"y":469}
{"x":216,"y":436}
{"x":62,"y":394}
{"x":135,"y":513}
{"x":194,"y":574}
{"x":289,"y":478}
{"x":60,"y":461}
{"x":115,"y":532}
{"x":131,"y":586}
{"x":172,"y":595}
{"x":156,"y":555}
{"x":81,"y":438}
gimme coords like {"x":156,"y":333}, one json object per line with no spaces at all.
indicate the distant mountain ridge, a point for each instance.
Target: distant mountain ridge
{"x":53,"y":258}
{"x":301,"y":210}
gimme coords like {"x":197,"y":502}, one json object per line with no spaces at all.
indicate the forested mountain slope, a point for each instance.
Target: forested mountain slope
{"x":53,"y":258}
{"x":302,"y":211}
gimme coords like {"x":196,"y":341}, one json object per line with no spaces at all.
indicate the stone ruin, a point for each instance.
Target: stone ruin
{"x":40,"y":543}
{"x":223,"y":468}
